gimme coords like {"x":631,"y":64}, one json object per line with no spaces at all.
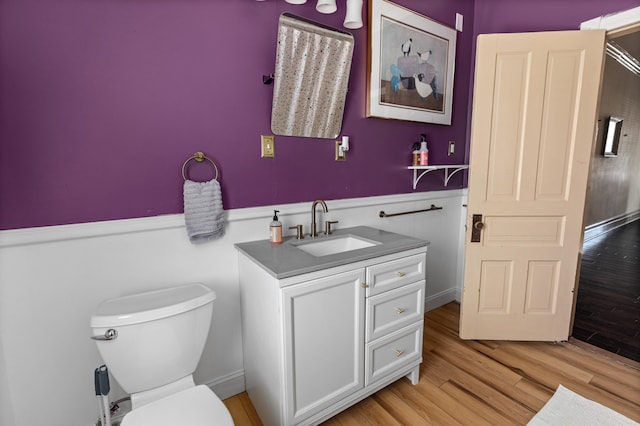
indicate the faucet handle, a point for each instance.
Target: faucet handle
{"x":327,"y":226}
{"x":299,"y":232}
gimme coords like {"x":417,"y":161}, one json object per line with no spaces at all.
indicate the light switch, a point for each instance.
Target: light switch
{"x":267,"y":146}
{"x":341,"y":155}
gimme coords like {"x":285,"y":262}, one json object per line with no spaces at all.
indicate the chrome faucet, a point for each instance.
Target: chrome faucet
{"x":314,"y":232}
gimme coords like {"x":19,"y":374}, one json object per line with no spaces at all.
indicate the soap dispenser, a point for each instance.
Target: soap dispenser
{"x":275,"y":229}
{"x":424,"y":151}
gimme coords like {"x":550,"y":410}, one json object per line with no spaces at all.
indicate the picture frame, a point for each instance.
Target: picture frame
{"x":411,"y":65}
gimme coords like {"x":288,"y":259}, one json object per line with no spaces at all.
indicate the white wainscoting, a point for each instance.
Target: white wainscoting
{"x":52,"y":278}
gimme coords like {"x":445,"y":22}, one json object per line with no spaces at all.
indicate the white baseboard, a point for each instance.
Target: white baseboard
{"x":439,"y":299}
{"x":597,"y":229}
{"x":229,"y":385}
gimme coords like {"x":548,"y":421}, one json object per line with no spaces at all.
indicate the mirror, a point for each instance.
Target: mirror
{"x":612,"y":136}
{"x":313,"y":63}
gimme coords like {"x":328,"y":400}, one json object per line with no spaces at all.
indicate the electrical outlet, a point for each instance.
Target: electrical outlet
{"x":452,"y":148}
{"x":268,"y":149}
{"x":340,"y":156}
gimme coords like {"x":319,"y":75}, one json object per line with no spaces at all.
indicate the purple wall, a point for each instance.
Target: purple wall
{"x":508,"y":16}
{"x":101,"y":102}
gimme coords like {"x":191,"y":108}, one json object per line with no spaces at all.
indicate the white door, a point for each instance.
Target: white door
{"x":324,"y":342}
{"x":534,"y":117}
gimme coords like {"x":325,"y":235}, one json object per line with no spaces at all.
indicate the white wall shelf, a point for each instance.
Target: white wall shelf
{"x":449,"y":170}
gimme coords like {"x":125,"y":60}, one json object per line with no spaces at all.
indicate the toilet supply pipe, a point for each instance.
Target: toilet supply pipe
{"x":103,"y":383}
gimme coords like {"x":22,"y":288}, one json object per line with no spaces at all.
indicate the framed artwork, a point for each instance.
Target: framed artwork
{"x":410,"y":67}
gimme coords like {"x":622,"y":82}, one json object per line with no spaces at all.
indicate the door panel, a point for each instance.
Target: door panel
{"x":523,"y":231}
{"x":507,"y":144}
{"x":496,"y":282}
{"x":558,"y":124}
{"x":542,"y":287}
{"x":534,"y":117}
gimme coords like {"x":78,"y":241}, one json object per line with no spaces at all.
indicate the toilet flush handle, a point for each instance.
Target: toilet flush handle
{"x":110,"y":334}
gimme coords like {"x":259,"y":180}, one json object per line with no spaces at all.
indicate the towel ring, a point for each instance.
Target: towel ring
{"x":199,"y":157}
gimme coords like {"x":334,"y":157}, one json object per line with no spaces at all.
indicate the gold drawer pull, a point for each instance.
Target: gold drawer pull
{"x":399,"y":352}
{"x":364,"y":285}
{"x":399,"y":310}
{"x":401,"y":274}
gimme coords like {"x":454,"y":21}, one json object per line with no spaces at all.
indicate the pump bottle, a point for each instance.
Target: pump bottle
{"x":424,"y":151}
{"x":275,"y":229}
{"x":415,"y":158}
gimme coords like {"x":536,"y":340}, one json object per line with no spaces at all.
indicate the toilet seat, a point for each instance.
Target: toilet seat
{"x":197,"y":406}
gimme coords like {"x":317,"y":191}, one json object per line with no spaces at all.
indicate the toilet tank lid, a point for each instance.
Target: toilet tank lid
{"x":152,"y":305}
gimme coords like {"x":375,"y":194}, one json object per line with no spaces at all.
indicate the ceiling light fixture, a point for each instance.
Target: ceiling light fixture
{"x":353,"y":14}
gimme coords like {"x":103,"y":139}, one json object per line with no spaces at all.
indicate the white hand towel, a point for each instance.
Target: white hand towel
{"x":203,"y":213}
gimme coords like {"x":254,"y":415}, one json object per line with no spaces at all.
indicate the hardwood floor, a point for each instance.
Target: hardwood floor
{"x":484,"y":382}
{"x":608,"y":302}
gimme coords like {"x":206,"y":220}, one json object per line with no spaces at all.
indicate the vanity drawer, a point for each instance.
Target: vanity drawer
{"x":392,"y":310}
{"x":396,"y":273}
{"x":392,"y":352}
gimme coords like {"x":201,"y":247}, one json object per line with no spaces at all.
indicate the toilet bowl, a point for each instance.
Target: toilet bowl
{"x":152,"y":342}
{"x":197,"y":406}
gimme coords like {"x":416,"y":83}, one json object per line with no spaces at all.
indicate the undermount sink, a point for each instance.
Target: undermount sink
{"x":333,"y":245}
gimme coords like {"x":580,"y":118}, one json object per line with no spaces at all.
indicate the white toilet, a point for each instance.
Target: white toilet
{"x":152,"y":342}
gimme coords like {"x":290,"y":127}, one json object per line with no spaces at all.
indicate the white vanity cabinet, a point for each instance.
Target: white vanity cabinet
{"x":319,"y":342}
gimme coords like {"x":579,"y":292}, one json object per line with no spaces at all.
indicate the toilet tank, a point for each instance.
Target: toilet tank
{"x":160,"y":335}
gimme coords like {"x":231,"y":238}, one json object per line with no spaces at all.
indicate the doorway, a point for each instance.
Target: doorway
{"x":607,"y":309}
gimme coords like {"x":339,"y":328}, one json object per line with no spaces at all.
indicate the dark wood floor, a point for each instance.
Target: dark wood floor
{"x":608,"y":303}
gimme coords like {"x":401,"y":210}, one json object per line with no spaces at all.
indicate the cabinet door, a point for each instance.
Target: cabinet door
{"x":324,"y":342}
